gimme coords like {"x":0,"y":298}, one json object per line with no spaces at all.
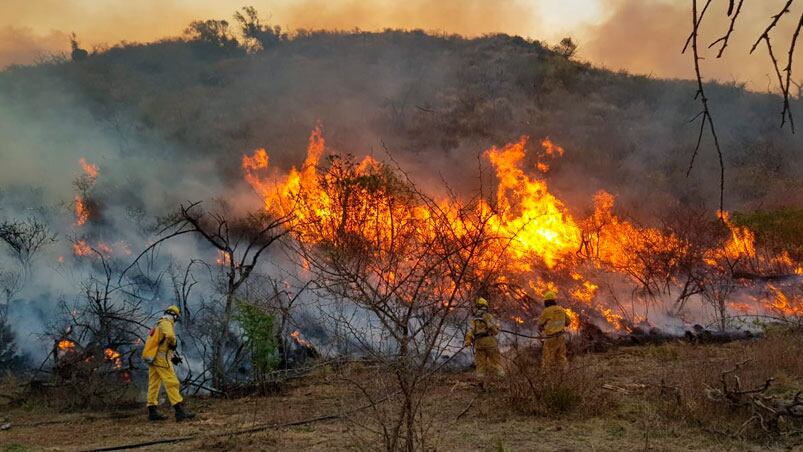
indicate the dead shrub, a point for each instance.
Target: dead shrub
{"x":529,"y":389}
{"x":744,"y":394}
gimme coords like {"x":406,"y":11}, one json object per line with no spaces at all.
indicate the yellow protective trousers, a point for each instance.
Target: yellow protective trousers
{"x":487,"y":357}
{"x":554,"y":353}
{"x":159,"y":373}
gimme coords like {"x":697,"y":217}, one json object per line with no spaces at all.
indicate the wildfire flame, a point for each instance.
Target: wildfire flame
{"x":113,"y":356}
{"x":296,"y":335}
{"x":81,"y":212}
{"x":66,"y":345}
{"x":90,"y":170}
{"x":537,"y":234}
{"x":81,"y":248}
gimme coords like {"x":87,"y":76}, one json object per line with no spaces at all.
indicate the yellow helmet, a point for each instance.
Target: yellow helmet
{"x":173,"y":309}
{"x":550,"y":295}
{"x":481,"y":303}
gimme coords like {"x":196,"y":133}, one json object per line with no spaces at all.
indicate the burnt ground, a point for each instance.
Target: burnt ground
{"x":627,"y":416}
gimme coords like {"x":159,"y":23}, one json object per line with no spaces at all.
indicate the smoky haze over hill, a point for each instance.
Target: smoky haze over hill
{"x":434,"y":102}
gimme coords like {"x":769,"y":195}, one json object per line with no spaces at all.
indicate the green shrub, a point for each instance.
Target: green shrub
{"x":777,"y":228}
{"x":258,"y":326}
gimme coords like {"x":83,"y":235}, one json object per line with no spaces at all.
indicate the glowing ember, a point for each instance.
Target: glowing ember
{"x":223,"y":258}
{"x":114,"y":357}
{"x":66,"y":345}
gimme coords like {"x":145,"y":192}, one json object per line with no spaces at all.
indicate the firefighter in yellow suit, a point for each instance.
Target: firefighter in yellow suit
{"x":482,"y":335}
{"x":161,"y":372}
{"x":553,"y":323}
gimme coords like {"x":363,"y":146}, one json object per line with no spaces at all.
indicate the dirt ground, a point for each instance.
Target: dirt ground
{"x":630,"y":420}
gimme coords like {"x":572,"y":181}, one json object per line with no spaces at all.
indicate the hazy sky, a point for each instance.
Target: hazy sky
{"x":643,"y":36}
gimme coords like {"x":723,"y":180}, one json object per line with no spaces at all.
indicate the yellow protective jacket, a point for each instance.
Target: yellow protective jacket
{"x":483,"y":326}
{"x":553,"y":320}
{"x":167,"y":340}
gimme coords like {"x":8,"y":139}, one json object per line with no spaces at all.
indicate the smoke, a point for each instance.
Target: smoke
{"x":169,"y":122}
{"x":45,"y":135}
{"x":24,"y":46}
{"x":471,"y":18}
{"x":98,"y":24}
{"x":647,"y":37}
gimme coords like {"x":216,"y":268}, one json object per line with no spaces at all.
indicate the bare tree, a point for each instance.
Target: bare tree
{"x":95,"y":345}
{"x":240,"y":242}
{"x":408,"y":271}
{"x":784,"y":76}
{"x":24,"y":239}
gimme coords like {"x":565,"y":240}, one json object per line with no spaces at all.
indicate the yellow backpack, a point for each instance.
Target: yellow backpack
{"x":152,"y":343}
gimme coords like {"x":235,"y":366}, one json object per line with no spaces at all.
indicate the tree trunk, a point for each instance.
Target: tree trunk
{"x":218,"y":368}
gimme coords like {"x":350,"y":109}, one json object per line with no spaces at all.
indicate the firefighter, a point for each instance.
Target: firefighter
{"x":160,"y":354}
{"x":553,"y":323}
{"x":482,"y":335}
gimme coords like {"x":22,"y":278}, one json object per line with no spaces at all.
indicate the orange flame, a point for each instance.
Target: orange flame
{"x":81,"y":248}
{"x":113,"y":356}
{"x":66,"y":345}
{"x":785,"y":305}
{"x":296,"y":335}
{"x":81,"y":211}
{"x":538,"y":223}
{"x":223,"y":258}
{"x":574,"y":320}
{"x":90,"y":170}
{"x":534,"y":231}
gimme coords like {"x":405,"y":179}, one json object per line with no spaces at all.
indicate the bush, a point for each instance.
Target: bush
{"x":553,"y":392}
{"x":692,"y":392}
{"x":776,"y":228}
{"x":258,"y":326}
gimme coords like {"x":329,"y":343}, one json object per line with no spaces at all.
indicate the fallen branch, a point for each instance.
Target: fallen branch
{"x":468,"y":407}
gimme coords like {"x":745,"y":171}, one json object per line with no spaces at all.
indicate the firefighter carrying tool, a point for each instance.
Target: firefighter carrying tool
{"x":482,"y":335}
{"x":553,"y":323}
{"x":160,"y":355}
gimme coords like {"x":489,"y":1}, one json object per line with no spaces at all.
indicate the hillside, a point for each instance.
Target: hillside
{"x":434,"y":101}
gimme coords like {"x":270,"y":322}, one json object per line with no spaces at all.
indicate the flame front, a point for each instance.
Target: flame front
{"x":533,"y":233}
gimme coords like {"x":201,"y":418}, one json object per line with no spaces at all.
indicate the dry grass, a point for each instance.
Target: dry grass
{"x":611,"y":401}
{"x":529,"y":389}
{"x":685,"y":390}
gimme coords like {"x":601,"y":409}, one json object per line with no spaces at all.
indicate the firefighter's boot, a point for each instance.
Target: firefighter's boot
{"x":155,"y":415}
{"x":181,"y":413}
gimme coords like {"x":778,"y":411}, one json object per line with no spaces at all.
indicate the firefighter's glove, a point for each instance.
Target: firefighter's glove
{"x":176,"y":360}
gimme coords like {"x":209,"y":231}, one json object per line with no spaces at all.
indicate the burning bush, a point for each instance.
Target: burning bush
{"x":86,"y":377}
